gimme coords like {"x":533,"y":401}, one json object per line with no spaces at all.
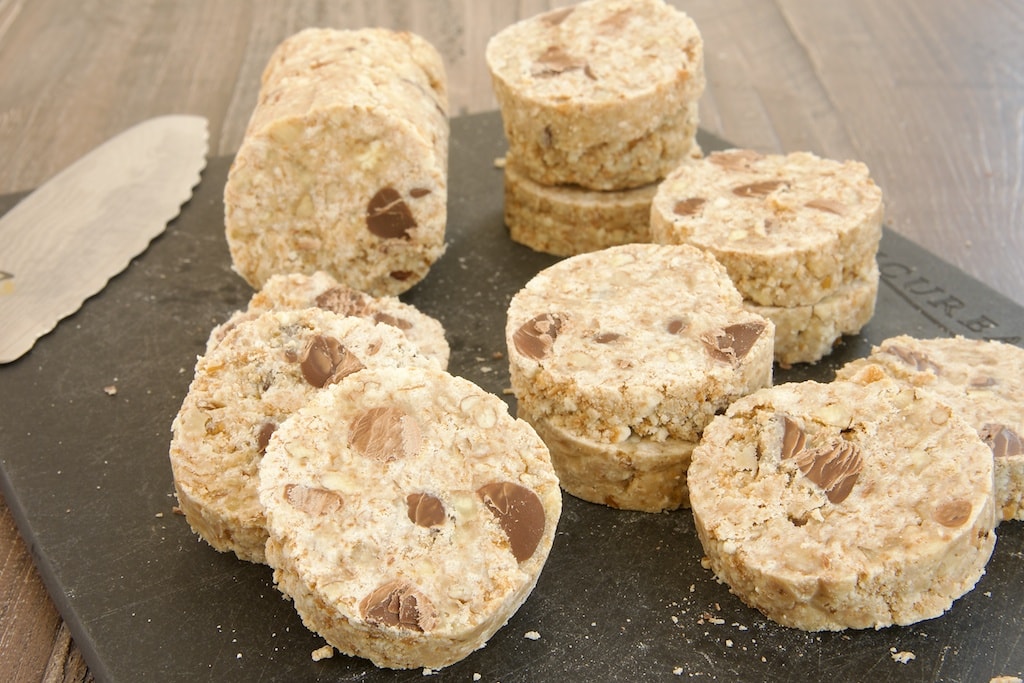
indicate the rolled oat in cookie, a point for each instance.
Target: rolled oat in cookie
{"x":598,"y":94}
{"x":320,"y":290}
{"x":264,"y":369}
{"x":983,"y":380}
{"x":343,"y":166}
{"x":790,"y":229}
{"x":641,"y":339}
{"x":409,"y":514}
{"x":853,"y":504}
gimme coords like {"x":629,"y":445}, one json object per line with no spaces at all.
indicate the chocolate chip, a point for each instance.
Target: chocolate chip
{"x":385,"y":434}
{"x":827,"y":205}
{"x":425,"y":509}
{"x":520,"y":513}
{"x":1003,"y":441}
{"x":834,"y":468}
{"x":387,"y":319}
{"x":793,"y":437}
{"x":689,"y":207}
{"x":326,"y":361}
{"x":760,"y":189}
{"x":312,"y":500}
{"x":677,"y":325}
{"x":731,"y":344}
{"x":397,"y":604}
{"x":953,"y":513}
{"x":556,"y":61}
{"x":263,"y":436}
{"x":535,"y":337}
{"x":606,"y":337}
{"x":343,"y":300}
{"x":400,"y":275}
{"x":418,"y":192}
{"x":388,"y":216}
{"x":919,"y":361}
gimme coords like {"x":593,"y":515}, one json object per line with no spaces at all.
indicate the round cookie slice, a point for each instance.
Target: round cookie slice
{"x":409,"y":514}
{"x":599,"y":94}
{"x":262,"y":371}
{"x":321,"y":290}
{"x":844,"y":505}
{"x":635,"y":474}
{"x":641,"y":339}
{"x":983,"y":381}
{"x":790,"y":229}
{"x":343,"y":166}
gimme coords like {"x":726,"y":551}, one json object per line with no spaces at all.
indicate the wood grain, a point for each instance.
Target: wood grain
{"x":930,"y":95}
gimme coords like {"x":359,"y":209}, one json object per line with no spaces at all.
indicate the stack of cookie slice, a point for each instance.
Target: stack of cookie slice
{"x":619,"y":358}
{"x":798,"y":234}
{"x":599,"y":103}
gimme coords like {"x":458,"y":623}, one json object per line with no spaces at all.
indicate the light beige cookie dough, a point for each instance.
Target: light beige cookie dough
{"x":321,"y":290}
{"x":983,"y":381}
{"x":641,"y":339}
{"x":790,"y":229}
{"x":343,"y":166}
{"x":844,"y":505}
{"x":635,"y":474}
{"x":410,"y":515}
{"x":806,"y":334}
{"x":599,"y":94}
{"x":262,"y":371}
{"x":565,"y":220}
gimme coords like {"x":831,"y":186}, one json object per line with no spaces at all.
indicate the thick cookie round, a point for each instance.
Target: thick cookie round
{"x":598,"y":94}
{"x":983,"y":381}
{"x":343,"y":166}
{"x":262,"y":371}
{"x":409,"y":514}
{"x":641,"y":339}
{"x":320,"y":290}
{"x":844,"y":505}
{"x":790,"y":229}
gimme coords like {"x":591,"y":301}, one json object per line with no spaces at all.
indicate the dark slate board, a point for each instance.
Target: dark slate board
{"x":623,"y":596}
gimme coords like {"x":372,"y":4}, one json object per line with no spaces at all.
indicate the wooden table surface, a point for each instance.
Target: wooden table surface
{"x":930,"y":95}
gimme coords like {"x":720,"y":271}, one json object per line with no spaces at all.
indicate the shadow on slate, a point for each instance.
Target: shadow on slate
{"x":623,"y":596}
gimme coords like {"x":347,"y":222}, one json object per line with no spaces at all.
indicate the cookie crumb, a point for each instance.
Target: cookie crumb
{"x":902,"y":657}
{"x":477,"y":677}
{"x":678,"y":671}
{"x":428,"y":672}
{"x":499,"y":162}
{"x":531,"y":635}
{"x":325,"y":652}
{"x":1006,"y":679}
{"x":110,"y":390}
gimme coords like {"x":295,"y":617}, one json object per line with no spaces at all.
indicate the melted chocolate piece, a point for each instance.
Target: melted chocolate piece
{"x":326,"y":361}
{"x":263,"y":436}
{"x":1003,"y":441}
{"x":388,"y":216}
{"x":689,"y":207}
{"x":425,"y":510}
{"x":535,"y":337}
{"x":312,"y":500}
{"x":734,"y":342}
{"x":397,"y":604}
{"x":520,"y":513}
{"x":759,"y":189}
